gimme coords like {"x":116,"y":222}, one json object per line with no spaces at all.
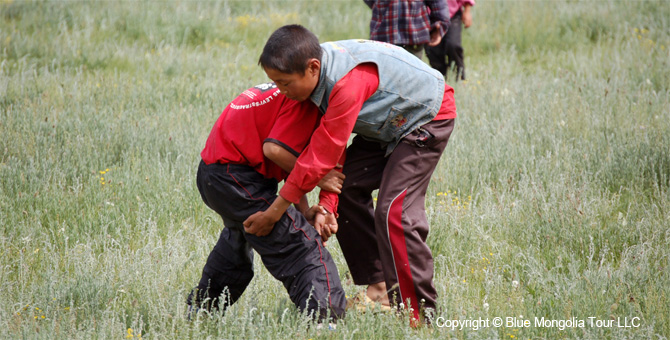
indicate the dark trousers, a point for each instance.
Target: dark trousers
{"x":450,"y":50}
{"x":292,"y":252}
{"x":388,"y":243}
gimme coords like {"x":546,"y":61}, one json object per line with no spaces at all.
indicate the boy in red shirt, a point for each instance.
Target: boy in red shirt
{"x":403,"y":114}
{"x":252,"y":146}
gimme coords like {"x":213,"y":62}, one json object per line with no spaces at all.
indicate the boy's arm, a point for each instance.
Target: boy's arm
{"x":262,"y":222}
{"x":439,"y":20}
{"x":466,"y":16}
{"x":279,"y":155}
{"x":328,"y":198}
{"x":303,"y":205}
{"x":286,"y":160}
{"x":326,"y":146}
{"x":330,"y":185}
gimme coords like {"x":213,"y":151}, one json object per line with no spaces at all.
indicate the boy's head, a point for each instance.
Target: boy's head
{"x":292,"y":59}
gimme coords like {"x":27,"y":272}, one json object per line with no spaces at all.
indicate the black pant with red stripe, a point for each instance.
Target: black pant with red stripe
{"x":388,"y":243}
{"x":292,"y":252}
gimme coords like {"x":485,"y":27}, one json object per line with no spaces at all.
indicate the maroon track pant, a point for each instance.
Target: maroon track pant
{"x":388,"y":243}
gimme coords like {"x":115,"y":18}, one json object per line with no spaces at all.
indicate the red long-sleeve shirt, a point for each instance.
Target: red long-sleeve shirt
{"x":329,"y":141}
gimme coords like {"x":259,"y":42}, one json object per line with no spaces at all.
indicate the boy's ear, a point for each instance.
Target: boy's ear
{"x":314,"y":66}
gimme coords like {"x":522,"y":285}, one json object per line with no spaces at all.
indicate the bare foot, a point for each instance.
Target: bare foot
{"x":377,"y":292}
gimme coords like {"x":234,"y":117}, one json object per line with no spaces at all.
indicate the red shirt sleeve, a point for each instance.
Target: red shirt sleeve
{"x":330,"y":139}
{"x":448,"y":107}
{"x":294,"y":125}
{"x":329,"y":199}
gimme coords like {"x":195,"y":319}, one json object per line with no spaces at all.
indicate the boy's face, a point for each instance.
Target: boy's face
{"x":295,"y":86}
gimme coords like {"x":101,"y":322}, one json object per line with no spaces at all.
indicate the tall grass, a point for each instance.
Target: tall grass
{"x":551,"y":199}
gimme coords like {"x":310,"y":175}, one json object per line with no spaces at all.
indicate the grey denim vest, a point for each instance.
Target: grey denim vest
{"x":409,"y":94}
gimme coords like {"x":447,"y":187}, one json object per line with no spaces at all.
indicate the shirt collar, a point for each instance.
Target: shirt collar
{"x":320,"y":90}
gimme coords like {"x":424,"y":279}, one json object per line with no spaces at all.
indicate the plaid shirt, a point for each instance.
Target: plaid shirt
{"x":407,"y":22}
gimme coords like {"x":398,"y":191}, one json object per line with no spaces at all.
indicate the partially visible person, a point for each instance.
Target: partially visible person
{"x":409,"y":24}
{"x":252,"y":146}
{"x":450,"y":50}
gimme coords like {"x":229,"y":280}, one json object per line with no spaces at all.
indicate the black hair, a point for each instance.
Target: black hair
{"x":289,"y":49}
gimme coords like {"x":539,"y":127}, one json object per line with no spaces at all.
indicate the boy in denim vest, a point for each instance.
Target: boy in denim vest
{"x":403,"y":114}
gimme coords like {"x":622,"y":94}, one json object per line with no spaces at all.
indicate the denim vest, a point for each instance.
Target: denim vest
{"x":409,"y":94}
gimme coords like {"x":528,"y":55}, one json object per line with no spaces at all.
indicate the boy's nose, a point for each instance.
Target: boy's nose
{"x":283,"y":91}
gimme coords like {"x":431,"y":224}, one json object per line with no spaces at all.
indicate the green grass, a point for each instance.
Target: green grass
{"x":551,"y":200}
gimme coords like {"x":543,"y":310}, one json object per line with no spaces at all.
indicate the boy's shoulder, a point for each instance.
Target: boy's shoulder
{"x":255,"y":97}
{"x":265,"y":103}
{"x":257,"y":93}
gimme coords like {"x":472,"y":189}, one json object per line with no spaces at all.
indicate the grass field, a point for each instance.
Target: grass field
{"x":551,"y":201}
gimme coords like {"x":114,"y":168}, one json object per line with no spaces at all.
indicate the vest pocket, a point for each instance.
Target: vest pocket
{"x":395,"y":123}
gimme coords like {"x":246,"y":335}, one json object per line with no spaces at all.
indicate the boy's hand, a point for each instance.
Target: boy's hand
{"x":262,"y":222}
{"x":319,"y":225}
{"x":329,"y":228}
{"x":310,"y":214}
{"x":332,"y":181}
{"x":324,"y":222}
{"x":466,"y":16}
{"x":259,"y":224}
{"x":435,"y":36}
